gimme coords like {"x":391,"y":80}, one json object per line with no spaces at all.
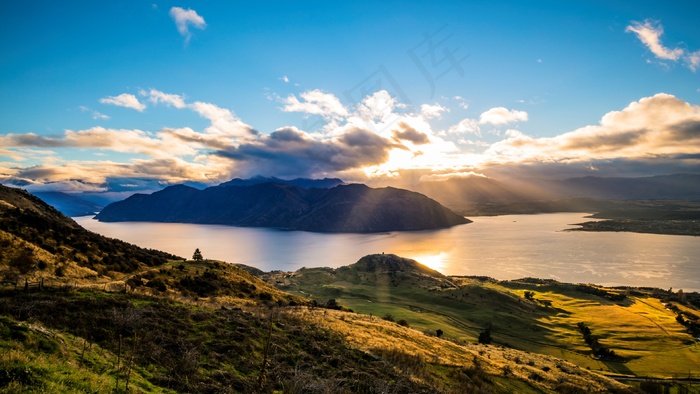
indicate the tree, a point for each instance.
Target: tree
{"x":485,"y":336}
{"x":529,"y":295}
{"x":197,"y":256}
{"x":438,"y":333}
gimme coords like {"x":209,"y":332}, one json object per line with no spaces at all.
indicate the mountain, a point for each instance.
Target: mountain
{"x":304,"y":183}
{"x":69,"y":204}
{"x":477,"y":189}
{"x":661,"y":187}
{"x":344,"y":208}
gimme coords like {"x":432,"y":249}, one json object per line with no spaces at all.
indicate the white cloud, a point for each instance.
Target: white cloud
{"x":462,"y":102}
{"x":693,"y":61}
{"x":649,"y":33}
{"x":650,"y":128}
{"x":95,"y":114}
{"x":501,"y":116}
{"x":223,"y":121}
{"x":171,"y":100}
{"x":124,"y":100}
{"x":186,"y":18}
{"x":376,"y":107}
{"x":466,"y":126}
{"x":284,"y":79}
{"x":433,"y":111}
{"x":315,"y":102}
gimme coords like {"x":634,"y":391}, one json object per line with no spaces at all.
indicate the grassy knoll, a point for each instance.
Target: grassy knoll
{"x":642,"y":332}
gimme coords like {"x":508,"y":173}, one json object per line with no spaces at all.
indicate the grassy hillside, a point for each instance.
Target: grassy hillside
{"x":89,"y":340}
{"x":38,"y":241}
{"x":641,"y":327}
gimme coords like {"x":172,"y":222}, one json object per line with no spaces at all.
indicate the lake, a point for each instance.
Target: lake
{"x":502,"y":247}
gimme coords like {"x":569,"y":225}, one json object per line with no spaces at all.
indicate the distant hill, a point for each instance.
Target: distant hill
{"x":304,"y":183}
{"x":344,"y":208}
{"x":476,"y":189}
{"x":69,"y":204}
{"x":662,"y":187}
{"x":481,"y":196}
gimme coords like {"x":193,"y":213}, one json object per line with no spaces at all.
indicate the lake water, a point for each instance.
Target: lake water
{"x":503,"y":247}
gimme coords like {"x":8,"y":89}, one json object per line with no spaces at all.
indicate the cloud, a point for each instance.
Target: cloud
{"x":462,"y":102}
{"x":501,"y":116}
{"x":648,"y":129}
{"x":223,"y":121}
{"x":376,"y":107}
{"x":171,"y":100}
{"x":407,"y":133}
{"x":284,"y":79}
{"x":186,"y":18}
{"x":692,"y":60}
{"x":124,"y":100}
{"x":433,"y":111}
{"x":95,"y":115}
{"x":466,"y":126}
{"x":649,"y":33}
{"x":315,"y":102}
{"x":291,"y":152}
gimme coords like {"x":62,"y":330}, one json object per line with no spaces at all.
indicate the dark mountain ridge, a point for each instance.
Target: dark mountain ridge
{"x":304,"y":183}
{"x":344,"y":208}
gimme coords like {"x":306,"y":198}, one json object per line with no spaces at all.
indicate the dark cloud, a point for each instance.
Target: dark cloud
{"x":290,"y":152}
{"x":606,"y":142}
{"x":408,"y":133}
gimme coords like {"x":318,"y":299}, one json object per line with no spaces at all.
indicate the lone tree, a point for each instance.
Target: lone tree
{"x":485,"y":336}
{"x":197,"y":256}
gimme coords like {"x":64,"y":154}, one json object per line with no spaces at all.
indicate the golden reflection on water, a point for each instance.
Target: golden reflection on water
{"x":434,"y":261}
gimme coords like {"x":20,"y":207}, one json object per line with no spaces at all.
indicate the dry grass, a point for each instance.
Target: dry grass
{"x":424,"y":353}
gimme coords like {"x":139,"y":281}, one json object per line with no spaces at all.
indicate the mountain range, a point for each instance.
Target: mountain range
{"x":343,"y":208}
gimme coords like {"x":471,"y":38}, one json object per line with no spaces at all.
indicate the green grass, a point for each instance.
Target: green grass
{"x":645,"y":336}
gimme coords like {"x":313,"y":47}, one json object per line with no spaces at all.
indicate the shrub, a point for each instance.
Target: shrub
{"x":402,"y":322}
{"x":157,"y":284}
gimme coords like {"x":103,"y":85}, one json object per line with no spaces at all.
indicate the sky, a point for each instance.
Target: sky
{"x":102,"y":95}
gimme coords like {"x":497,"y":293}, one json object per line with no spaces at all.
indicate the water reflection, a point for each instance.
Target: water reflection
{"x":504,"y":247}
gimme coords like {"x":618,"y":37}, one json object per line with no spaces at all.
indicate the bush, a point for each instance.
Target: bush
{"x":157,"y":284}
{"x":402,"y":322}
{"x":485,"y":337}
{"x":389,"y":317}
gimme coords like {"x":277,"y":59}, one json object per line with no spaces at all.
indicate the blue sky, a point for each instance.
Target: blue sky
{"x":207,"y":91}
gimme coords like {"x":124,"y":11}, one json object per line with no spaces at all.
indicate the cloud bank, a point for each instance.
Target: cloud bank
{"x":377,"y":138}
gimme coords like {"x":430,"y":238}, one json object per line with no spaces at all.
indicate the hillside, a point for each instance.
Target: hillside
{"x":36,"y":240}
{"x":642,"y":327}
{"x":221,"y":329}
{"x":344,"y":208}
